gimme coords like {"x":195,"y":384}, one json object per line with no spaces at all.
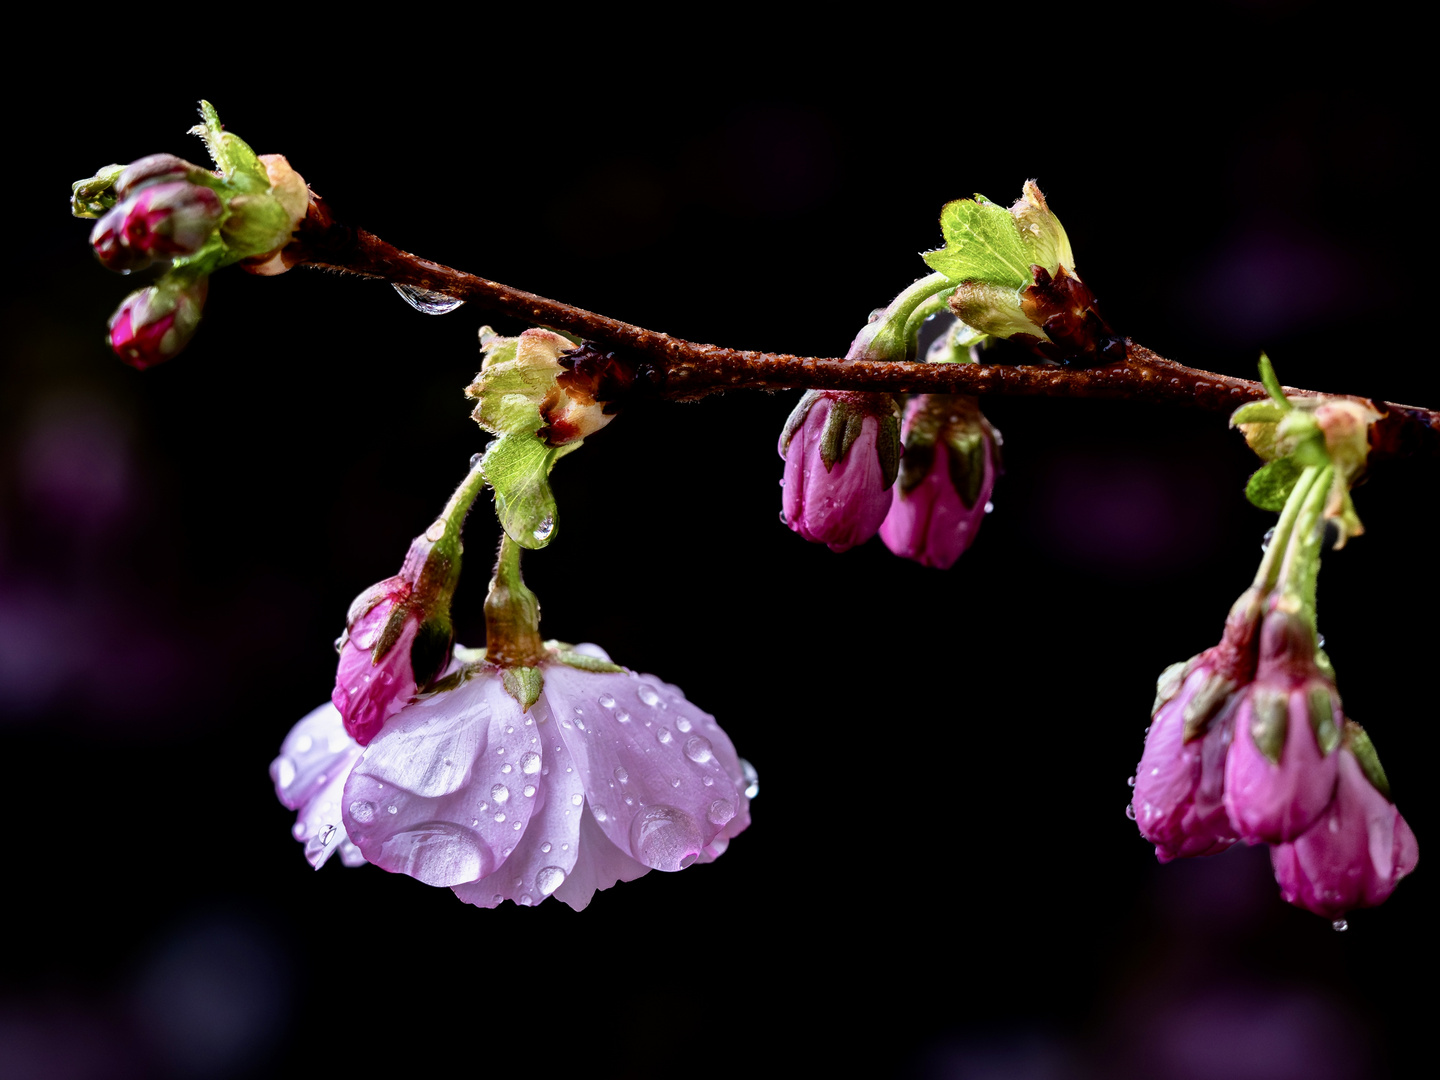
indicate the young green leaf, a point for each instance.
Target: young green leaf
{"x":1271,"y":484}
{"x":982,"y":243}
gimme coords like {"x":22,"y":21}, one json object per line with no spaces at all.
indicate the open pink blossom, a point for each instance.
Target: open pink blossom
{"x":840,"y":453}
{"x":1354,"y":856}
{"x":1281,"y":770}
{"x":309,"y":775}
{"x":608,"y":775}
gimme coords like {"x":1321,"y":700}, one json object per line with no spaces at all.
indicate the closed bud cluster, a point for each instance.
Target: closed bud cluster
{"x":842,"y":453}
{"x":162,"y":221}
{"x":1248,"y":741}
{"x":946,"y":478}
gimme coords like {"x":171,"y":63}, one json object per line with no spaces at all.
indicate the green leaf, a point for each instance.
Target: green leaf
{"x":231,"y":154}
{"x":585,"y":662}
{"x":1272,"y":384}
{"x":517,"y":466}
{"x":982,"y":244}
{"x":524,"y":685}
{"x":1271,"y":484}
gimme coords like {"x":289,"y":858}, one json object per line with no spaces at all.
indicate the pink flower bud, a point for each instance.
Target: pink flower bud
{"x":168,"y":220}
{"x":1179,"y":800}
{"x":370,"y":689}
{"x":1280,"y":775}
{"x":159,"y":169}
{"x":841,"y":454}
{"x":1354,"y":855}
{"x":152,"y":325}
{"x":946,"y":478}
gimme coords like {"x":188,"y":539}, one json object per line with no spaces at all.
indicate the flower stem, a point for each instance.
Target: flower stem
{"x":512,"y":613}
{"x":888,"y":337}
{"x":1279,"y":542}
{"x":1300,"y":571}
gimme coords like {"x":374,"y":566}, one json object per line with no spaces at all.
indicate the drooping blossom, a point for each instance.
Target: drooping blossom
{"x":1281,"y":770}
{"x":946,"y":478}
{"x":153,"y":324}
{"x":1178,"y":801}
{"x":1359,"y":849}
{"x":841,"y":454}
{"x":608,"y":775}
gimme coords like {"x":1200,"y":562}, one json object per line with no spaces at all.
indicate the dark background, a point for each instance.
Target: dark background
{"x":939,"y":880}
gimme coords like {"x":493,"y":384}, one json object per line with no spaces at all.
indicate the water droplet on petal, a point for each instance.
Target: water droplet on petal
{"x":1130,"y":780}
{"x":362,"y":811}
{"x":529,"y":791}
{"x":698,"y":749}
{"x":621,"y":774}
{"x":499,"y":818}
{"x":437,"y":853}
{"x":606,"y":701}
{"x":664,"y":736}
{"x":600,"y":813}
{"x":720,"y":812}
{"x":622,"y":716}
{"x":1340,"y":924}
{"x":427,"y":302}
{"x":989,"y":508}
{"x":1130,"y":811}
{"x":646,"y":693}
{"x":665,"y":838}
{"x":752,"y":779}
{"x":549,"y":879}
{"x":284,"y":772}
{"x":529,"y":763}
{"x":683,"y":724}
{"x":576,"y":800}
{"x":392,"y":809}
{"x":545,"y":847}
{"x":327,"y":833}
{"x":436,"y":532}
{"x":1320,"y":644}
{"x":499,"y":792}
{"x":526,"y":900}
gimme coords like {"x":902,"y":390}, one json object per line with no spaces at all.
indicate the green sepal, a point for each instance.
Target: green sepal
{"x":584,"y":662}
{"x":1210,"y":697}
{"x":796,"y":419}
{"x":1257,"y":412}
{"x":255,"y":224}
{"x":1272,"y":385}
{"x":431,"y":649}
{"x":93,"y":196}
{"x":517,"y":466}
{"x":1272,"y":483}
{"x":888,"y":448}
{"x":449,"y":682}
{"x":967,"y":463}
{"x":523,"y":684}
{"x":394,"y":627}
{"x":1364,"y":750}
{"x":842,"y":427}
{"x":1269,"y":721}
{"x":982,"y":244}
{"x":242,"y":169}
{"x":1322,"y":720}
{"x":1169,"y":683}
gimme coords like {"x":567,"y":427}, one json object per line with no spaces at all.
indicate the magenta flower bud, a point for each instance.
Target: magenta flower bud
{"x":946,"y":478}
{"x":169,"y":220}
{"x":152,"y":325}
{"x":1280,"y":775}
{"x":159,"y":169}
{"x":107,"y":240}
{"x":1357,"y":852}
{"x":841,"y":452}
{"x":1178,"y":801}
{"x":371,"y":688}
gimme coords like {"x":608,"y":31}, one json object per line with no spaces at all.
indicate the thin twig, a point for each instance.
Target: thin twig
{"x":687,"y":370}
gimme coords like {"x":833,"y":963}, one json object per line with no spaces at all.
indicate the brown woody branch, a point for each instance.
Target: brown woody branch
{"x":687,"y":370}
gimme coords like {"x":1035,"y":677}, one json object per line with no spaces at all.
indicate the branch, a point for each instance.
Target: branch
{"x":686,"y":370}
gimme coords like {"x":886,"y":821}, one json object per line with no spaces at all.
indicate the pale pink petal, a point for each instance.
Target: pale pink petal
{"x":544,"y":857}
{"x":438,"y":794}
{"x":660,"y":775}
{"x":600,"y":865}
{"x":310,"y":775}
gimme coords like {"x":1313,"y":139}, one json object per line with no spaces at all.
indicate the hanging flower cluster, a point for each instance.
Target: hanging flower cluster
{"x":1249,"y":740}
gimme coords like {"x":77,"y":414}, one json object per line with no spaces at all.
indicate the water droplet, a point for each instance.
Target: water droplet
{"x":526,"y":900}
{"x":499,"y":792}
{"x":517,"y":827}
{"x":543,"y":530}
{"x":720,"y":812}
{"x":576,"y":800}
{"x":545,"y":847}
{"x":1340,"y":924}
{"x":1130,"y":780}
{"x":475,"y":459}
{"x":549,"y":879}
{"x":1130,"y":811}
{"x":340,"y":644}
{"x":683,"y":724}
{"x":427,"y":302}
{"x":284,"y":772}
{"x":499,"y":818}
{"x":529,"y":763}
{"x":664,"y":736}
{"x":1265,"y":541}
{"x":1320,"y":641}
{"x":621,"y":774}
{"x":392,"y":809}
{"x":707,"y":780}
{"x":529,"y":791}
{"x":646,"y":693}
{"x":622,"y":716}
{"x":697,"y":749}
{"x":362,"y":811}
{"x":665,"y":838}
{"x":600,"y":813}
{"x":437,"y":853}
{"x":326,"y":834}
{"x":752,"y":779}
{"x":989,"y":507}
{"x":434,"y":533}
{"x":606,"y":701}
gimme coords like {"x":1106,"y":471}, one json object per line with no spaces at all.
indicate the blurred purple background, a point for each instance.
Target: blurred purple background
{"x":940,"y":881}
